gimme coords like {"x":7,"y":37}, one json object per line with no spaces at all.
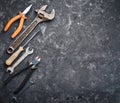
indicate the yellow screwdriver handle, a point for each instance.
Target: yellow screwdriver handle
{"x":10,"y":60}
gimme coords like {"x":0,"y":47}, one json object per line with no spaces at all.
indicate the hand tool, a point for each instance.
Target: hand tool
{"x":27,"y":52}
{"x":29,"y":84}
{"x":22,"y":18}
{"x":10,"y":60}
{"x":41,"y":16}
{"x":31,"y":68}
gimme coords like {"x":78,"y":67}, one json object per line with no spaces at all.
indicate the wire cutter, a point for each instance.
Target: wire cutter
{"x":22,"y":18}
{"x":30,"y":69}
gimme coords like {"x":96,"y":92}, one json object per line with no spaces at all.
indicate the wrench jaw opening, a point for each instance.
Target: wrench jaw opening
{"x":45,"y":16}
{"x":29,"y":50}
{"x":52,"y":14}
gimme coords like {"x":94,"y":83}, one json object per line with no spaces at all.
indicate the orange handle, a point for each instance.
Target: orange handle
{"x":11,"y":21}
{"x":17,"y":31}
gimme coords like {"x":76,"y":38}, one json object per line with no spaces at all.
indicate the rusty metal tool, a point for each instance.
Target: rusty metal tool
{"x":22,"y":18}
{"x":10,"y":60}
{"x":41,"y":16}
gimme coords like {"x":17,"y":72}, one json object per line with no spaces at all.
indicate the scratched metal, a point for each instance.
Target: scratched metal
{"x":80,"y":51}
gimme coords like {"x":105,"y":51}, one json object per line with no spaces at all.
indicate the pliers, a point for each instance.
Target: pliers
{"x":22,"y":18}
{"x":30,"y":69}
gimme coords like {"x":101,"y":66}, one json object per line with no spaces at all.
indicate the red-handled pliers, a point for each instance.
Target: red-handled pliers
{"x":22,"y":18}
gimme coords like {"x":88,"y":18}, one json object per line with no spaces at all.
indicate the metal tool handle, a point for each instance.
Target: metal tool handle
{"x":10,"y":60}
{"x":24,"y":34}
{"x":11,"y":68}
{"x":20,"y":59}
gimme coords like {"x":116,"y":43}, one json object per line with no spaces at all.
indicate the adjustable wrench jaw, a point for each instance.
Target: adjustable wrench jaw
{"x":44,"y":15}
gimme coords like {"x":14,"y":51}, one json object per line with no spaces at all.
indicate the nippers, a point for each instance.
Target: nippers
{"x":22,"y":18}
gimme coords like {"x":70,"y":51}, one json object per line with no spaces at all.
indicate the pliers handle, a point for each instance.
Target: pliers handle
{"x":27,"y":77}
{"x":10,"y":77}
{"x":22,"y":18}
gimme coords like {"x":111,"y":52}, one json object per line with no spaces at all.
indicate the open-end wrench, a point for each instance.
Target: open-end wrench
{"x":28,"y":51}
{"x":41,"y":16}
{"x":16,"y":97}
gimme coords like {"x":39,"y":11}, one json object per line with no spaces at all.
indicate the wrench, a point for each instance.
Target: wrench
{"x":30,"y":83}
{"x":26,"y":53}
{"x":41,"y":16}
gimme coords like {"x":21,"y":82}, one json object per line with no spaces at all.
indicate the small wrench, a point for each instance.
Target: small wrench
{"x":27,"y":52}
{"x":41,"y":16}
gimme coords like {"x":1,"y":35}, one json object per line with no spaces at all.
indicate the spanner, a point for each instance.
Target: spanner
{"x":41,"y":16}
{"x":27,"y":52}
{"x":16,"y":97}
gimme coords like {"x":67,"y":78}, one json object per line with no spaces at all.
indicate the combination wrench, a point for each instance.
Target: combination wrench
{"x":41,"y":16}
{"x":27,"y":52}
{"x":15,"y":98}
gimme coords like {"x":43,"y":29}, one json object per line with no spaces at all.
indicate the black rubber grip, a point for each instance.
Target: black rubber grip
{"x":8,"y":79}
{"x":24,"y":81}
{"x":11,"y":76}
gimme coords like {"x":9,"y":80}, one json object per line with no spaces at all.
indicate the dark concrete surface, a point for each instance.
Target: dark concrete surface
{"x":80,"y":51}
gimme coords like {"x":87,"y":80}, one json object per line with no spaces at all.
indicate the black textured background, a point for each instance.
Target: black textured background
{"x":80,"y":51}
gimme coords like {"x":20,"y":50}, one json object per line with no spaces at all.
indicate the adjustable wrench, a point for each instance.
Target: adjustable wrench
{"x":41,"y":16}
{"x":27,"y":52}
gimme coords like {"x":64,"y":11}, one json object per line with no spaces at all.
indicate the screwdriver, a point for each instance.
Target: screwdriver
{"x":10,"y":60}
